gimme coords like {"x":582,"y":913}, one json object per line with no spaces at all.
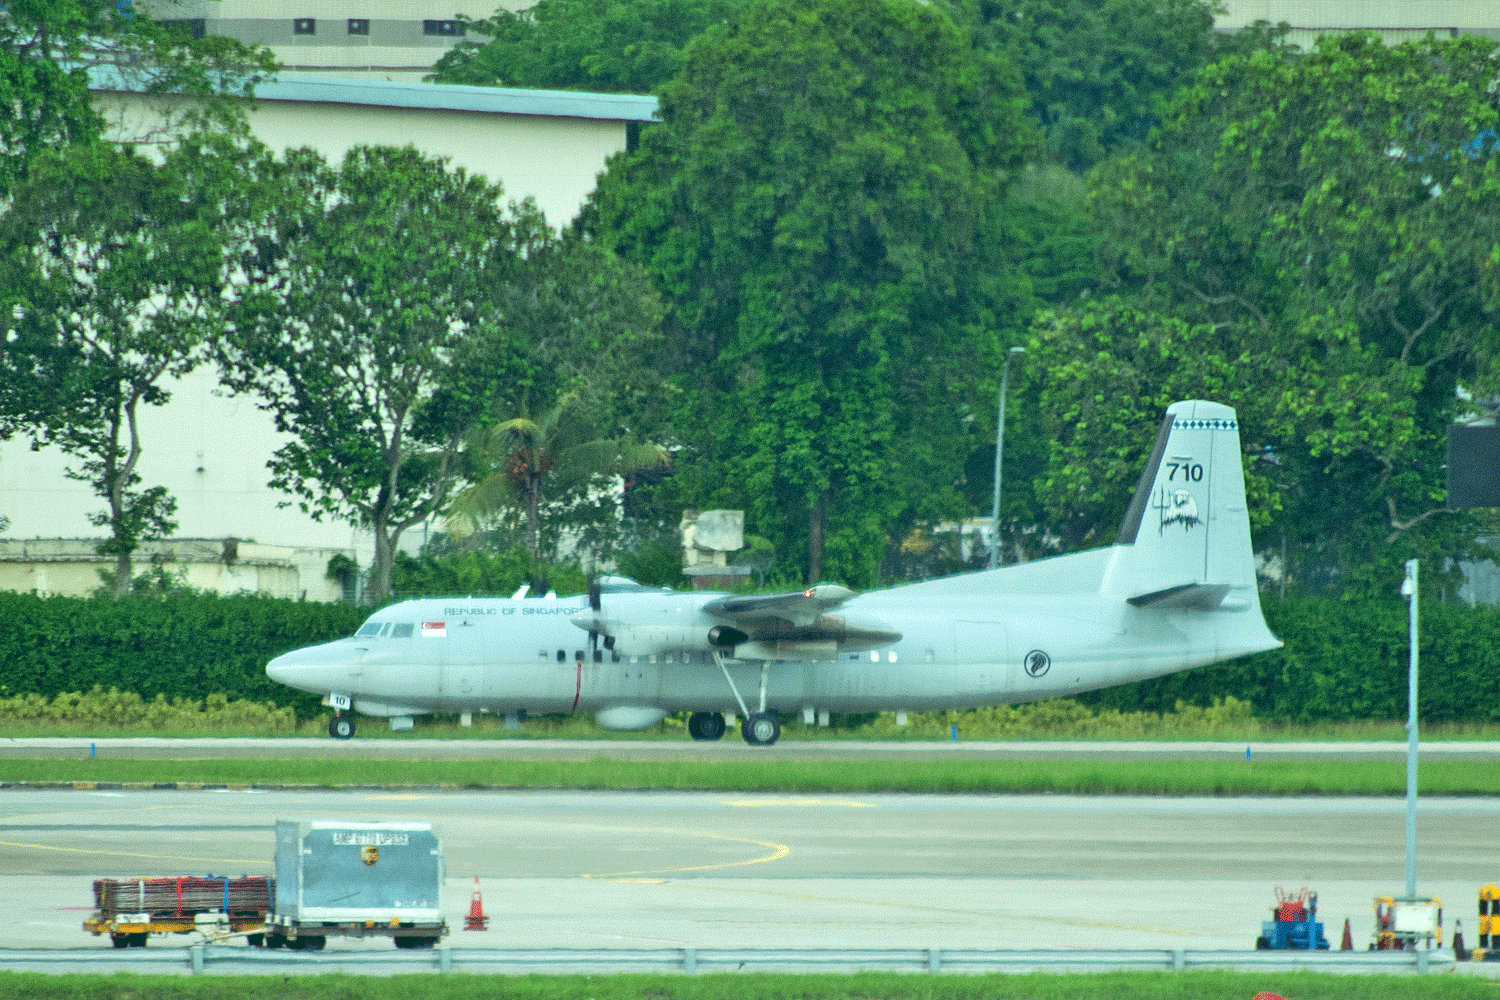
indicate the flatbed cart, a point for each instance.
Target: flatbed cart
{"x":131,"y":910}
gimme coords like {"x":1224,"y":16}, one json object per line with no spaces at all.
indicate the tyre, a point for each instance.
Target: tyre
{"x":341,"y":727}
{"x":296,"y":943}
{"x":120,"y":940}
{"x":255,"y":940}
{"x":275,"y":941}
{"x":761,"y":729}
{"x":423,"y":942}
{"x":705,"y":726}
{"x":139,"y":940}
{"x":313,"y":943}
{"x":1261,"y":944}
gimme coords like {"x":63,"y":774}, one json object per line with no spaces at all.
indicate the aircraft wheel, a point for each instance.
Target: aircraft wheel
{"x":704,"y":726}
{"x":341,"y":727}
{"x":761,"y":729}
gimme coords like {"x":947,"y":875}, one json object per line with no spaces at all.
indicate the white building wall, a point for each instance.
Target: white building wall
{"x":210,"y":450}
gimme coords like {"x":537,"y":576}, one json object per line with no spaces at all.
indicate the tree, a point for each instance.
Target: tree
{"x":371,"y":335}
{"x":809,"y":209}
{"x":114,"y":269}
{"x":531,"y":460}
{"x":1100,"y":73}
{"x":602,"y":45}
{"x":49,"y":48}
{"x":1340,"y":209}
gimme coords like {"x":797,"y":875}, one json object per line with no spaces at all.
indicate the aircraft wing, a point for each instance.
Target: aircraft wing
{"x":799,"y":607}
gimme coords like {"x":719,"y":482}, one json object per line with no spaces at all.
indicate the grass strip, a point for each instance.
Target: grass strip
{"x":1196,"y":985}
{"x":1144,"y":777}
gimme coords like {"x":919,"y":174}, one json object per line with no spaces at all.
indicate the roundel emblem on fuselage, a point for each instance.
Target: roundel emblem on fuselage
{"x":1037,"y":662}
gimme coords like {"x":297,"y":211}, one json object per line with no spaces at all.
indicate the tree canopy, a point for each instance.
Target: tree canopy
{"x":1335,"y":217}
{"x":600,"y":45}
{"x":810,"y":208}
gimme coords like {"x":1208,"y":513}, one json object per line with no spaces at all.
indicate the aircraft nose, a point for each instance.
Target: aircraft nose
{"x":312,"y":669}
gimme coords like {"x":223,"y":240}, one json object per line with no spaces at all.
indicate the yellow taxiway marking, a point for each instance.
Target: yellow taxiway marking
{"x":986,"y":914}
{"x":132,"y":854}
{"x":778,"y":851}
{"x":834,"y":803}
{"x":396,"y":798}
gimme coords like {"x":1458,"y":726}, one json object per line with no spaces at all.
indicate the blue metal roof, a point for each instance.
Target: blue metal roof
{"x":320,"y":89}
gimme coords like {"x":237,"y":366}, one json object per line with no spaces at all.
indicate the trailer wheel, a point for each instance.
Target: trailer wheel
{"x":313,"y":943}
{"x":275,"y":941}
{"x":1261,"y":944}
{"x":423,"y":942}
{"x":255,"y":940}
{"x":120,"y":940}
{"x":138,"y":940}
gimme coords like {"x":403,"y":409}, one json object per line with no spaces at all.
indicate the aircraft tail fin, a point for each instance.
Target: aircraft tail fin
{"x":1185,"y":540}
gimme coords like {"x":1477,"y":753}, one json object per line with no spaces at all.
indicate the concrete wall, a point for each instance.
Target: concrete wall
{"x":70,"y":567}
{"x":1396,"y":20}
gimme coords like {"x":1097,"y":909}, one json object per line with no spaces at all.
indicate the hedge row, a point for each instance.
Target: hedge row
{"x":183,"y":646}
{"x":1343,"y":660}
{"x":1346,"y":661}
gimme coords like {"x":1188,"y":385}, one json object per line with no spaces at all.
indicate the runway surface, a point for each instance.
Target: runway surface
{"x":728,"y":749}
{"x":592,"y":869}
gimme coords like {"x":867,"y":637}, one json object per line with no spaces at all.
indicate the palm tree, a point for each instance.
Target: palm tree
{"x":553,"y":454}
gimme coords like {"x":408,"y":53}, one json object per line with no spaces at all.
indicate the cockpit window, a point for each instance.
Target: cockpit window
{"x":402,"y":631}
{"x":370,"y":628}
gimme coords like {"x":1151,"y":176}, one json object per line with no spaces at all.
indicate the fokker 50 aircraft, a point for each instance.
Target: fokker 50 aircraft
{"x":1176,"y":590}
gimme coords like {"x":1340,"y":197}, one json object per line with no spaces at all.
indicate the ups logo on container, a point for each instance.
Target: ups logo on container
{"x":369,"y":854}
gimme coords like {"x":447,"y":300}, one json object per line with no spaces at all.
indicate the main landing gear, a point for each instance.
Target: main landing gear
{"x":761,"y":728}
{"x":341,"y":727}
{"x":704,"y":726}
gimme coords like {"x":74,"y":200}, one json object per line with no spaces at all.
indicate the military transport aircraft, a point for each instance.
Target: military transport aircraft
{"x":1176,"y":590}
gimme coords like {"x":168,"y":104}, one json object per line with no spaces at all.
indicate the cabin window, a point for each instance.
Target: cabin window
{"x":598,"y":656}
{"x":890,"y":657}
{"x":651,"y":658}
{"x":614,"y":657}
{"x":668,"y":658}
{"x":370,"y":628}
{"x":402,"y":631}
{"x":929,"y":656}
{"x":874,"y":656}
{"x":542,"y":654}
{"x":562,"y":656}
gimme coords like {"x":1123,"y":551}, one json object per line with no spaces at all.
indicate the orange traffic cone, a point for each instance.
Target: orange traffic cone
{"x":477,"y":920}
{"x":1348,"y":943}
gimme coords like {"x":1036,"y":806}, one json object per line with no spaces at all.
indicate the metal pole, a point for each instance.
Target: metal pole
{"x":1411,"y":735}
{"x":999,"y":453}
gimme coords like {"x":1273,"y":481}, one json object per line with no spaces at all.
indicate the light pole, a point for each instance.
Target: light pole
{"x":1409,"y":591}
{"x":1000,"y":452}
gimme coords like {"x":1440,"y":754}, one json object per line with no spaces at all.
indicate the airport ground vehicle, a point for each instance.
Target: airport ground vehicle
{"x":1294,"y":924}
{"x":334,"y":878}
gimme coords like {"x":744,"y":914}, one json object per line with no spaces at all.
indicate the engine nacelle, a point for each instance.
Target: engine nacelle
{"x":722,"y":635}
{"x":628,"y":717}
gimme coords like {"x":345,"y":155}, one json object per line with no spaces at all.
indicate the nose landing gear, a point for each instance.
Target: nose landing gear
{"x":341,"y":727}
{"x":761,"y":729}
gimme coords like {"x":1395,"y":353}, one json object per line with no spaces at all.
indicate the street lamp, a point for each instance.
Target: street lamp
{"x":999,"y":452}
{"x":1409,"y":591}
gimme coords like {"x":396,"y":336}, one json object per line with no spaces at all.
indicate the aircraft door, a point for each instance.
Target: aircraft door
{"x":981,"y":653}
{"x":463,"y":668}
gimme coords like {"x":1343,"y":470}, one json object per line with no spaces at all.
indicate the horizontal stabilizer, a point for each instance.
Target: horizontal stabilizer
{"x":1198,"y":596}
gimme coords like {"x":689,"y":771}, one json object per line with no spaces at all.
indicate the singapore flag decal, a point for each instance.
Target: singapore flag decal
{"x":434,"y":630}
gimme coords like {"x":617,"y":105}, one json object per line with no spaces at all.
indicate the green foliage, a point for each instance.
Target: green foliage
{"x":1100,"y":73}
{"x":1191,"y":985}
{"x":597,"y":45}
{"x":187,"y":646}
{"x":47,"y":48}
{"x":974,"y":776}
{"x":371,"y":333}
{"x":810,"y":209}
{"x":1346,"y":661}
{"x":1332,"y":217}
{"x":656,"y":563}
{"x":482,"y":571}
{"x":1066,"y":718}
{"x":114,"y":709}
{"x":112,"y":274}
